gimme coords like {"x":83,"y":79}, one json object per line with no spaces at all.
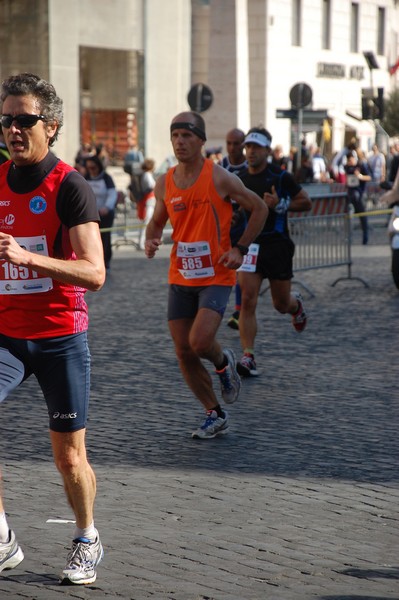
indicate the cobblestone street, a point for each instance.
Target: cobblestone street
{"x":299,"y":501}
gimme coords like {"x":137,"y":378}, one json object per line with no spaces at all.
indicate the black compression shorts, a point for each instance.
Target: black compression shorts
{"x":62,"y":368}
{"x":275,"y":258}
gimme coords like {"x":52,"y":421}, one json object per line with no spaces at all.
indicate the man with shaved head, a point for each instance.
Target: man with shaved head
{"x":196,"y":197}
{"x":235,"y":162}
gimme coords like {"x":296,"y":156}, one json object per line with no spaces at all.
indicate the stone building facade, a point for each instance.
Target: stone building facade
{"x":124,"y":68}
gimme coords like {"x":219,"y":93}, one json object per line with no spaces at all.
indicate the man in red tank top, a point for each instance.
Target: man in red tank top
{"x":196,"y":197}
{"x":50,"y":254}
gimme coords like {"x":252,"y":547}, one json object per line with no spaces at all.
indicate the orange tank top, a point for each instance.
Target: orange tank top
{"x":201,"y":221}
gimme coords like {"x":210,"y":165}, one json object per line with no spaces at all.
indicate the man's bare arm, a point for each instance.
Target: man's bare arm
{"x":158,"y":221}
{"x":300,"y":202}
{"x":88,"y":271}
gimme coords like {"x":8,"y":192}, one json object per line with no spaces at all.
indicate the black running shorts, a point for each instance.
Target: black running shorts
{"x":62,"y":368}
{"x":275,"y":259}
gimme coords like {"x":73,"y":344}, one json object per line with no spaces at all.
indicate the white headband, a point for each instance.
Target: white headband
{"x":258,"y":138}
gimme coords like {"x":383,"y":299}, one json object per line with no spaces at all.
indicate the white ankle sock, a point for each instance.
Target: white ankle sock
{"x":4,"y":528}
{"x":90,"y":532}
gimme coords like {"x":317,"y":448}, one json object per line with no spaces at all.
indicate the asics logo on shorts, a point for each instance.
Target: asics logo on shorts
{"x":58,"y":415}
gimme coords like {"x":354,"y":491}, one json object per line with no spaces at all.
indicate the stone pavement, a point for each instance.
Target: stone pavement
{"x":299,"y":501}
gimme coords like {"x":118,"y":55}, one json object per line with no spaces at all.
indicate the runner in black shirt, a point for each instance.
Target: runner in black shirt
{"x":272,"y":253}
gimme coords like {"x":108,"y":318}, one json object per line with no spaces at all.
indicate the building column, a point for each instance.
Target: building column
{"x":228,"y":75}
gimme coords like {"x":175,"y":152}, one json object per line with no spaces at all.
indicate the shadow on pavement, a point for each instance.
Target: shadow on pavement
{"x":385,"y":573}
{"x":355,"y":597}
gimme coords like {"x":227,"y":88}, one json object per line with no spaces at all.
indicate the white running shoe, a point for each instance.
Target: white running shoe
{"x":82,"y":562}
{"x":10,"y":553}
{"x":212,"y":426}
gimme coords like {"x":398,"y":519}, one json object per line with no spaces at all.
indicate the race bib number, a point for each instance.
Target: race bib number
{"x":352,"y":181}
{"x":194,"y":260}
{"x":21,"y":280}
{"x":250,"y":259}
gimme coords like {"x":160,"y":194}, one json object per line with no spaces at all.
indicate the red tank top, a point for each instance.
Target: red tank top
{"x":201,"y":222}
{"x":31,"y":305}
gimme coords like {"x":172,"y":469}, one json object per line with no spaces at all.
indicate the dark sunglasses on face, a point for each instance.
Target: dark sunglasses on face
{"x":23,"y":121}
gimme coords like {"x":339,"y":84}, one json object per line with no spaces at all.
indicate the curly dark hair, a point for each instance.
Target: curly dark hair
{"x":28,"y":84}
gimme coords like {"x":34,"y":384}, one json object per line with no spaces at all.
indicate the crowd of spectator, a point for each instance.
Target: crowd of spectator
{"x":311,"y":165}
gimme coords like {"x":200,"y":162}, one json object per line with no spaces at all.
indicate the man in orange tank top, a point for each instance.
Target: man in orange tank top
{"x":196,"y":197}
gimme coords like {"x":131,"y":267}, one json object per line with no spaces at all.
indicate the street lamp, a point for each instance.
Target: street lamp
{"x":371,"y":63}
{"x":372,"y":100}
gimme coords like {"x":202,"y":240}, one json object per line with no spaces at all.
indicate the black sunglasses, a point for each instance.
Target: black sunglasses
{"x":23,"y":121}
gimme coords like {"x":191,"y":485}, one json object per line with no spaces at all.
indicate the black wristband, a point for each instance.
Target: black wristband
{"x":242,"y":249}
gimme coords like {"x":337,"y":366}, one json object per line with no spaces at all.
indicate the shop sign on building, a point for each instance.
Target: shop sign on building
{"x":331,"y":70}
{"x":338,"y":71}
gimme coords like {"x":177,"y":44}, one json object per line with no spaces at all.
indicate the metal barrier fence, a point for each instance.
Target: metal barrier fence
{"x":127,"y":227}
{"x":323,"y":236}
{"x":372,"y":192}
{"x":372,"y":196}
{"x":323,"y":189}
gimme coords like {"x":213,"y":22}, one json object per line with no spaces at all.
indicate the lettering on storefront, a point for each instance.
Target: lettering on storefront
{"x":338,"y":71}
{"x":331,"y":70}
{"x":356,"y":73}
